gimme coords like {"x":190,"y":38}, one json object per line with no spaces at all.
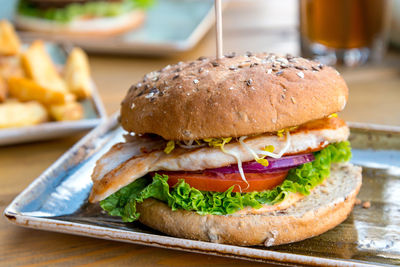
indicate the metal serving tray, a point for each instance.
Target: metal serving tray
{"x":57,"y":201}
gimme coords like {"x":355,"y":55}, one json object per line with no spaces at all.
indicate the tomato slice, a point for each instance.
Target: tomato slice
{"x":209,"y":181}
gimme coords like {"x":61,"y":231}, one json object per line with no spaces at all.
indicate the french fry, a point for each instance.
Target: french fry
{"x":25,"y":89}
{"x":31,"y":77}
{"x":77,"y":74}
{"x":66,"y":112}
{"x":17,"y":114}
{"x":3,"y":89}
{"x":39,"y":67}
{"x":9,"y":41}
{"x":10,"y":66}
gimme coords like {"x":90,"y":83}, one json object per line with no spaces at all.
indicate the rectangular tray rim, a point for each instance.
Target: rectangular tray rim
{"x":374,"y":127}
{"x":264,"y":255}
{"x":202,"y":247}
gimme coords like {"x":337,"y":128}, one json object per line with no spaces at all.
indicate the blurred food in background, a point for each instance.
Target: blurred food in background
{"x":169,"y":26}
{"x":80,"y":17}
{"x":349,"y":32}
{"x":33,"y":89}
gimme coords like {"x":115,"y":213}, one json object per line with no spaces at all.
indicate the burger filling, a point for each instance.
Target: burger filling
{"x":273,"y":178}
{"x":67,"y":10}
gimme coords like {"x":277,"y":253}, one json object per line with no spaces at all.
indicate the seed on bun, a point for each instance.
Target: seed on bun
{"x":232,"y":97}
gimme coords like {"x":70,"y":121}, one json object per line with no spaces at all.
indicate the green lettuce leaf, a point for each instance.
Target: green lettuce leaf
{"x":301,"y":179}
{"x":73,"y":10}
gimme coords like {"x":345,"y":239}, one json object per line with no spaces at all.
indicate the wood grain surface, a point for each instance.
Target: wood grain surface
{"x":374,"y":98}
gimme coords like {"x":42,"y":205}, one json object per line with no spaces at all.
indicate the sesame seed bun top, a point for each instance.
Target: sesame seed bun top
{"x":231,"y":97}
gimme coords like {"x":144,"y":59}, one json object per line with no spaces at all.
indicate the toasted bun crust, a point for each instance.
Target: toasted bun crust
{"x":93,"y":27}
{"x":327,"y":206}
{"x":231,"y":97}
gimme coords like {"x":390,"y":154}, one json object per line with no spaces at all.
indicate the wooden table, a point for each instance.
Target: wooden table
{"x":374,"y":98}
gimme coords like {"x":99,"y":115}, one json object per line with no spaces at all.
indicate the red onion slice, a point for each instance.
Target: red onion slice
{"x":275,"y":165}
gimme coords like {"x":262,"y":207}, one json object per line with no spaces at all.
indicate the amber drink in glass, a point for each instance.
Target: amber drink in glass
{"x":349,"y":32}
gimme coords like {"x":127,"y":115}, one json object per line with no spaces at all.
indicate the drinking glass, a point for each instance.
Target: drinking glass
{"x":348,"y":32}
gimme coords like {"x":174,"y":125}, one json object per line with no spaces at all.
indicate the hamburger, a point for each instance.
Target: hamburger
{"x":80,"y":17}
{"x":244,"y":150}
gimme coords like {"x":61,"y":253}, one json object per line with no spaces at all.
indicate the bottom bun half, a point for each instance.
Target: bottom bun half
{"x":327,"y":206}
{"x":81,"y":27}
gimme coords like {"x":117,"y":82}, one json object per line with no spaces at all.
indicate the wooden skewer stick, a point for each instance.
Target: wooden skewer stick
{"x":218,"y":27}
